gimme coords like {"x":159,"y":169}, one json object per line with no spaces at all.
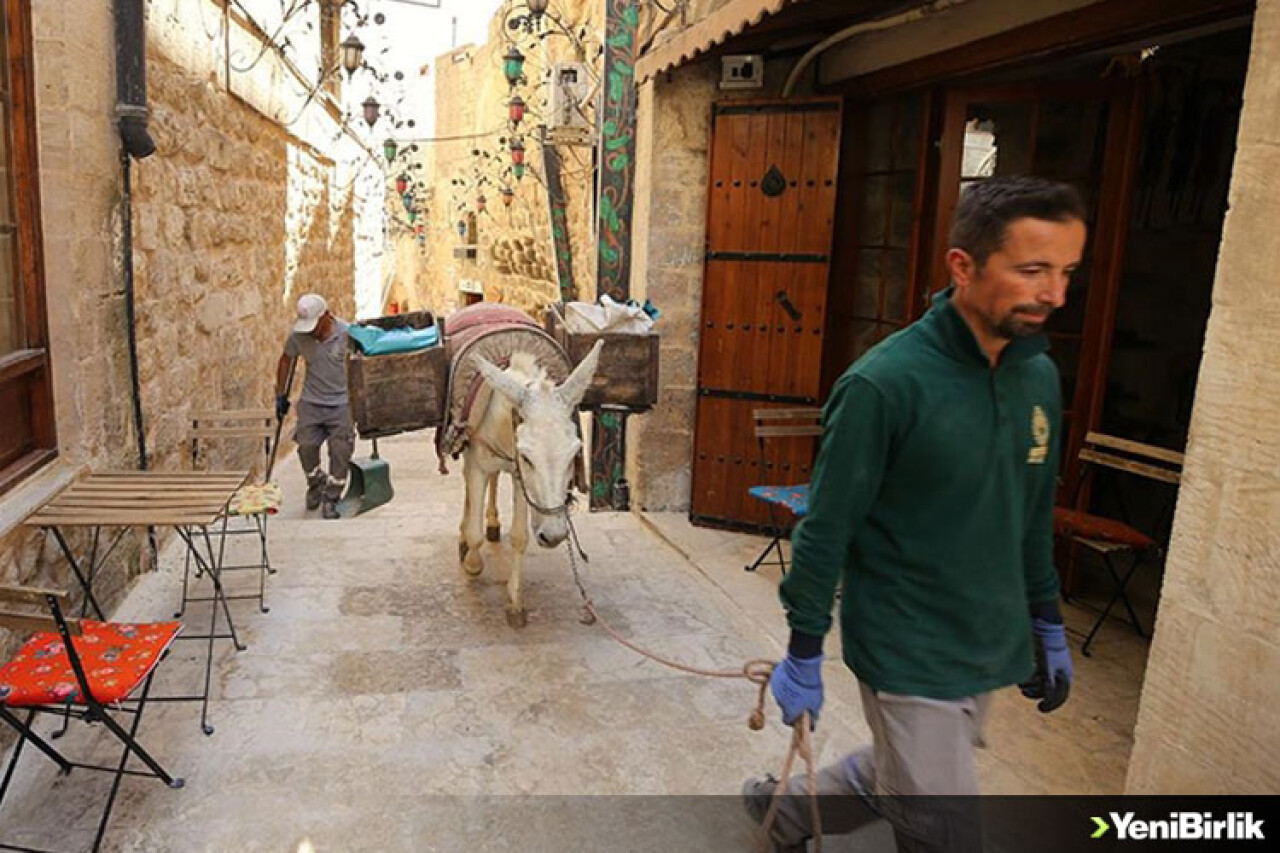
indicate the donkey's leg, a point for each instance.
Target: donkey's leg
{"x":466,"y":513}
{"x":472,"y":534}
{"x":492,"y":530}
{"x":516,"y":614}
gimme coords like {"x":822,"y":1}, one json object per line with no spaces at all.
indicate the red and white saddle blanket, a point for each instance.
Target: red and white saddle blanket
{"x":493,"y":332}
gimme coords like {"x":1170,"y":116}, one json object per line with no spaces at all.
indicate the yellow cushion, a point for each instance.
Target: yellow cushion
{"x":256,"y":499}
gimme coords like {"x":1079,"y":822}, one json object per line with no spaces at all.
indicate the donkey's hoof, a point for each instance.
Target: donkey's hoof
{"x":473,"y":569}
{"x":493,"y":534}
{"x":517,"y":618}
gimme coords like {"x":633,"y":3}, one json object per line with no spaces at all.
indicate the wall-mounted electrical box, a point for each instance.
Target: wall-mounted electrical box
{"x":570,"y":84}
{"x":743,"y":71}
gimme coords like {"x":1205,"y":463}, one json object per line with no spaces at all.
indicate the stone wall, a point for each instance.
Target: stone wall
{"x":1209,"y":719}
{"x":514,"y":261}
{"x":229,"y":215}
{"x":79,"y":181}
{"x":234,"y":221}
{"x":669,"y":236}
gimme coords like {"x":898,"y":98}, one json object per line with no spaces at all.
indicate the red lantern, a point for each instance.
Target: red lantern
{"x":402,"y":184}
{"x":516,"y":108}
{"x":517,"y":152}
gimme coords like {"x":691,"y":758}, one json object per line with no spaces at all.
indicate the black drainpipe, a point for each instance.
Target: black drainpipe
{"x":131,"y":115}
{"x":135,"y":141}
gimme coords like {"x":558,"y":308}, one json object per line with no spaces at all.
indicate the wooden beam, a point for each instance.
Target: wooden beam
{"x":32,"y":594}
{"x":617,"y":154}
{"x":1097,"y":26}
{"x":29,"y":623}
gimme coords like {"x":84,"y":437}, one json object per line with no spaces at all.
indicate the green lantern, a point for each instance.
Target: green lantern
{"x":518,"y":170}
{"x":389,"y":149}
{"x":513,"y":65}
{"x":413,"y":216}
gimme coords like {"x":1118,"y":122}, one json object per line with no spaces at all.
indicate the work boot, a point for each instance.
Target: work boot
{"x":757,"y":795}
{"x":329,"y":509}
{"x":316,"y":482}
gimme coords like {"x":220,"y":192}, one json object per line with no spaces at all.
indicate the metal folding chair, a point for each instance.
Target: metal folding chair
{"x":79,"y":668}
{"x":1121,"y":546}
{"x":792,"y":499}
{"x":252,"y":505}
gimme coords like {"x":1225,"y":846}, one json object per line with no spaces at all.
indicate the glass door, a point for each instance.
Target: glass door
{"x":1074,"y":133}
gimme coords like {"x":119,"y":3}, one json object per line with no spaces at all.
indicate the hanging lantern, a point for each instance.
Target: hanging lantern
{"x":389,"y":149}
{"x":413,"y":216}
{"x":516,"y":109}
{"x":513,"y":65}
{"x":418,"y":228}
{"x":371,"y":110}
{"x":481,"y":203}
{"x":508,"y":196}
{"x":352,"y":53}
{"x":517,"y":151}
{"x":422,"y":240}
{"x":402,"y":184}
{"x":462,"y":228}
{"x":407,"y":199}
{"x":518,"y":169}
{"x":537,"y":8}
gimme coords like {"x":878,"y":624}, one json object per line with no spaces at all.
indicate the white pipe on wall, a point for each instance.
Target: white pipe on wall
{"x":858,"y":29}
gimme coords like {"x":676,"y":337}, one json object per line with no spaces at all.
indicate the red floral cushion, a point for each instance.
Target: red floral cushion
{"x":1073,"y":522}
{"x":116,"y":658}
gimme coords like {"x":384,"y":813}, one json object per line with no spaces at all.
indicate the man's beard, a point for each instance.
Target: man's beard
{"x":1023,"y":322}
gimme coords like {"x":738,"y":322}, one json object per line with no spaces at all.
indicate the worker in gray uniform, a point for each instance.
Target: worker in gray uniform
{"x":324,"y":410}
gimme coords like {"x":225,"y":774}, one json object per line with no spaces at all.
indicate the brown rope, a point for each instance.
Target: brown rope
{"x":758,"y":672}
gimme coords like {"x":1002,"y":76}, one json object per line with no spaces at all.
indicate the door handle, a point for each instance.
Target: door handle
{"x":781,"y":297}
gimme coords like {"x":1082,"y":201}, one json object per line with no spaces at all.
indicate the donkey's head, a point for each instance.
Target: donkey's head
{"x":546,"y":439}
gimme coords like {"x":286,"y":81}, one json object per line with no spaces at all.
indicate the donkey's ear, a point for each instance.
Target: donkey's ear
{"x":505,"y":384}
{"x":572,"y":389}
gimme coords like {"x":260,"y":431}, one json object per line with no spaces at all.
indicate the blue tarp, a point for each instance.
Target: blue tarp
{"x":375,"y":341}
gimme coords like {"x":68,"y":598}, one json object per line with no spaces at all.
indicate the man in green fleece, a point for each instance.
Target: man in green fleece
{"x":931,"y":505}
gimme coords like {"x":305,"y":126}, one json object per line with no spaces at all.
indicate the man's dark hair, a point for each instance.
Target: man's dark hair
{"x":986,"y":209}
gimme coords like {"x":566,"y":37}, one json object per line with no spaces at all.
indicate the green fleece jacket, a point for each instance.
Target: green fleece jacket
{"x":932,"y":504}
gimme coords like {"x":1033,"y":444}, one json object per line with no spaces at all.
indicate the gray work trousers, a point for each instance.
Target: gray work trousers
{"x":319,"y":424}
{"x":918,"y":774}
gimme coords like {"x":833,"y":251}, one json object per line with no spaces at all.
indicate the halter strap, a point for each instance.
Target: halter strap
{"x":514,"y":461}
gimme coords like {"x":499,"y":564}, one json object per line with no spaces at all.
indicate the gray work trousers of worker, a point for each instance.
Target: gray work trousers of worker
{"x":918,"y":774}
{"x":318,"y":424}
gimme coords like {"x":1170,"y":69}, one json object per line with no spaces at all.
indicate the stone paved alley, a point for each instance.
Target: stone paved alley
{"x":384,"y":692}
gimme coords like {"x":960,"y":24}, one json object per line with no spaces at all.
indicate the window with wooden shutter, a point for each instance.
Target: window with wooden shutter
{"x":27,"y":435}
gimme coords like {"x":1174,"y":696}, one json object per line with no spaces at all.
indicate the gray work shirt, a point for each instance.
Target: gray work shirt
{"x":326,"y":383}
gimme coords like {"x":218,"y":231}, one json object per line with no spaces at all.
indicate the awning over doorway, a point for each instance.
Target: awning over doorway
{"x":721,"y":25}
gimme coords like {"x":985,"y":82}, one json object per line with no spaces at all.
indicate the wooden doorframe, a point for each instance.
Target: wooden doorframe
{"x":1124,"y":140}
{"x":1108,"y":237}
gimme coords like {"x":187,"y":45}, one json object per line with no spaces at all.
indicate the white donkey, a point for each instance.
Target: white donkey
{"x":528,"y":431}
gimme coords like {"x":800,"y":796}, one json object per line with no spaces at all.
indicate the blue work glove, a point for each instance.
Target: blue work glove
{"x":1051,"y":683}
{"x":282,"y":406}
{"x":797,"y":686}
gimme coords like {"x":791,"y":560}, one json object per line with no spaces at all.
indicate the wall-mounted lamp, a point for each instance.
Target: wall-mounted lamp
{"x":371,"y":110}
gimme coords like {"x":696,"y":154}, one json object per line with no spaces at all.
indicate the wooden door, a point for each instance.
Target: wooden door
{"x":764,"y":304}
{"x":1081,"y":133}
